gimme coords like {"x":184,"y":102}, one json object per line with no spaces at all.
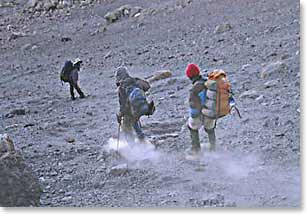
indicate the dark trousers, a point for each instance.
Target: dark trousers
{"x":78,"y":89}
{"x":130,"y":124}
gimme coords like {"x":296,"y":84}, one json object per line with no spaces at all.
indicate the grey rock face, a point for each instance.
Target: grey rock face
{"x":19,"y":187}
{"x":274,"y":70}
{"x":223,"y":28}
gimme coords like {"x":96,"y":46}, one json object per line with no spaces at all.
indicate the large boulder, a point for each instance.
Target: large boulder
{"x":18,"y":185}
{"x":122,"y":11}
{"x":160,"y":75}
{"x":252,"y":94}
{"x":274,"y":70}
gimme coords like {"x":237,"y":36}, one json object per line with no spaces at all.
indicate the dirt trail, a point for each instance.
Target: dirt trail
{"x":257,"y":162}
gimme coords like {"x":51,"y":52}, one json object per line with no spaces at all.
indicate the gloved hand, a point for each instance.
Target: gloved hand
{"x":152,"y":107}
{"x":119,"y":118}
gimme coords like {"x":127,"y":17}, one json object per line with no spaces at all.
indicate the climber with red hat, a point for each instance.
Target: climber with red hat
{"x":197,"y":97}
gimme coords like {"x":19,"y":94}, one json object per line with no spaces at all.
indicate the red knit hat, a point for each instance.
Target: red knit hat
{"x":192,"y":70}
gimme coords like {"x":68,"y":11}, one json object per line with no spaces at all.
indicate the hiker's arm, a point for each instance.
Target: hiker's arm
{"x":194,"y":100}
{"x":142,"y":84}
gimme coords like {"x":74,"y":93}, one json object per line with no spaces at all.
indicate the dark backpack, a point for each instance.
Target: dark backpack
{"x":138,"y":103}
{"x":67,"y":68}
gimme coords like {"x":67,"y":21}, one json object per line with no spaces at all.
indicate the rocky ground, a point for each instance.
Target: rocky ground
{"x":257,"y":162}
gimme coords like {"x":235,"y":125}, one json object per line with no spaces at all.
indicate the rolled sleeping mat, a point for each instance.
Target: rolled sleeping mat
{"x":210,"y":104}
{"x":211,"y":94}
{"x":211,"y":85}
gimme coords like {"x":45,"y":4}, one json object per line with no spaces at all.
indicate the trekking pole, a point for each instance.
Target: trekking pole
{"x":118,"y":134}
{"x":237,"y":111}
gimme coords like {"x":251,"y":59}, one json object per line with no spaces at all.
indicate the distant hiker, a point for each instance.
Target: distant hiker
{"x":69,"y":74}
{"x":210,"y":98}
{"x":133,"y":103}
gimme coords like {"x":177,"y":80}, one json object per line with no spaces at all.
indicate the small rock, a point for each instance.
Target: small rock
{"x":53,"y":173}
{"x":118,"y":13}
{"x":280,"y":134}
{"x":110,"y":17}
{"x":89,"y":113}
{"x":252,"y":94}
{"x":285,"y":56}
{"x":67,"y":178}
{"x":120,"y":169}
{"x":260,"y":98}
{"x":68,"y":193}
{"x":137,"y":15}
{"x":7,"y":4}
{"x":266,"y":123}
{"x":66,"y":3}
{"x":160,"y":75}
{"x":34,"y":47}
{"x":171,"y":57}
{"x":32,"y":3}
{"x":65,"y":39}
{"x":28,"y":125}
{"x":274,"y":70}
{"x":12,"y":126}
{"x":16,"y":35}
{"x":50,"y":5}
{"x":102,"y":29}
{"x":45,"y":125}
{"x":101,"y":169}
{"x":222,"y":28}
{"x":270,"y":83}
{"x":135,"y":11}
{"x":21,"y":111}
{"x":245,"y":67}
{"x":25,"y":47}
{"x":108,"y":55}
{"x":66,"y":199}
{"x":70,"y":140}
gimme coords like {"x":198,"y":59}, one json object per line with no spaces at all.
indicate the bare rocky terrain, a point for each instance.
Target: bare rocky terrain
{"x":67,"y":143}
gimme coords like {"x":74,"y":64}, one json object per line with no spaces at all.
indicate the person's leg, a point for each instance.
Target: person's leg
{"x":194,"y":124}
{"x":194,"y":140}
{"x":138,"y":131}
{"x":74,"y":79}
{"x":72,"y":91}
{"x":79,"y":90}
{"x":209,"y":125}
{"x":127,"y":129}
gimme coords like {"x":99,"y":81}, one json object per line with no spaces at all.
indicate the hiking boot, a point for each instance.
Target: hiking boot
{"x":193,"y":153}
{"x":152,"y":107}
{"x":73,"y":98}
{"x":82,"y":96}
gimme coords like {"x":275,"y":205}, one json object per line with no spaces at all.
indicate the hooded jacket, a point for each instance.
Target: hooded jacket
{"x":125,"y":84}
{"x":198,"y":86}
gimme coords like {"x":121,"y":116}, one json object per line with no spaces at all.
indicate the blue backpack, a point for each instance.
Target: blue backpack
{"x":138,"y":102}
